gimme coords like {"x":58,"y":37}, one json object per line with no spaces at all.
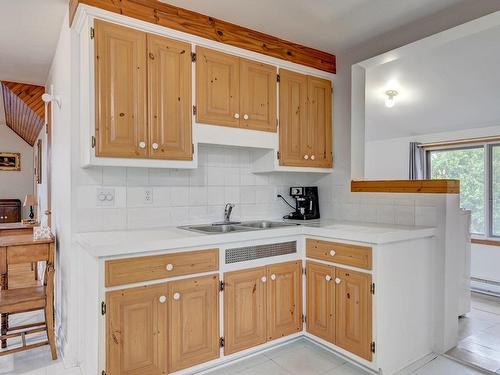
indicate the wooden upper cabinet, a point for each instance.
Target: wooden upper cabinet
{"x":169,"y":94}
{"x":120,"y":87}
{"x":305,"y":120}
{"x":258,"y":95}
{"x":284,"y":299}
{"x":217,"y":88}
{"x":354,"y":312}
{"x":244,"y":309}
{"x":193,"y":321}
{"x":319,"y":127}
{"x":137,"y":331}
{"x":293,"y":118}
{"x":321,"y":300}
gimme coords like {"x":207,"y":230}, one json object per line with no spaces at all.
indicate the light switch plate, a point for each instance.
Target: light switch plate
{"x":105,"y":197}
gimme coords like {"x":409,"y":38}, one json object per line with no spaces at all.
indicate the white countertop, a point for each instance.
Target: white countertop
{"x":116,"y":243}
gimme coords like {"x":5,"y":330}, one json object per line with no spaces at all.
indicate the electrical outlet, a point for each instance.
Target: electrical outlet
{"x":148,"y":196}
{"x":105,"y":197}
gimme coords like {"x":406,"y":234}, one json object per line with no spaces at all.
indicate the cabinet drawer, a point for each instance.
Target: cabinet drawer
{"x":130,"y":270}
{"x":351,"y":255}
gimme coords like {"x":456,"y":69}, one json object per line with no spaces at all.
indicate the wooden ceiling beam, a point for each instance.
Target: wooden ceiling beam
{"x":211,"y":28}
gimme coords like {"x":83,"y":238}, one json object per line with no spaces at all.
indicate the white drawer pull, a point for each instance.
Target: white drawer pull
{"x":236,"y":115}
{"x":263,"y":279}
{"x":313,"y":157}
{"x":155,"y":146}
{"x":163,"y":299}
{"x":169,"y":267}
{"x":306,"y":157}
{"x":142,"y":144}
{"x":245,"y":116}
{"x":273,"y":277}
{"x":328,"y":278}
{"x":337,"y":280}
{"x":177,"y":296}
{"x":332,"y":253}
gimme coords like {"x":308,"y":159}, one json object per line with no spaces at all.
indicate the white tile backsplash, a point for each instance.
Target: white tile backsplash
{"x":185,"y":196}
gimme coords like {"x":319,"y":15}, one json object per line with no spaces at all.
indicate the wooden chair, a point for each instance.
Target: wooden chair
{"x":14,"y":301}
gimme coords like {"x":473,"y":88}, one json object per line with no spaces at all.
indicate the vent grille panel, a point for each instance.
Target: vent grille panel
{"x":242,"y":254}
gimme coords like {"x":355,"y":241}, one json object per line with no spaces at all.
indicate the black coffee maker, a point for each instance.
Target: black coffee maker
{"x":306,"y":203}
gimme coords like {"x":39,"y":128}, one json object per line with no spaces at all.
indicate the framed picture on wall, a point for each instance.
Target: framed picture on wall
{"x":10,"y":161}
{"x":38,"y":162}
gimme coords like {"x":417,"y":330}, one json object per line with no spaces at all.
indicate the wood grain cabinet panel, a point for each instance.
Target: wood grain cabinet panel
{"x":193,"y":321}
{"x":319,"y":127}
{"x":284,"y":299}
{"x":169,"y":94}
{"x":293,"y":118}
{"x":258,"y":93}
{"x":244,"y":309}
{"x":354,"y":312}
{"x":321,"y":300}
{"x":217,"y":88}
{"x":120,"y":86}
{"x":351,"y":255}
{"x":137,"y":331}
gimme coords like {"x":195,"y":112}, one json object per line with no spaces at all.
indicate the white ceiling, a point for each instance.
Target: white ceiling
{"x":453,"y":87}
{"x":29,"y":31}
{"x":329,"y":25}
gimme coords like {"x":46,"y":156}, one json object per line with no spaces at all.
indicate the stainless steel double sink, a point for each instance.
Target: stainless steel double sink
{"x":245,"y":226}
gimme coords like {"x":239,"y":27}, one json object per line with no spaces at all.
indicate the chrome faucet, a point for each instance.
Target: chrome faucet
{"x":227,"y":212}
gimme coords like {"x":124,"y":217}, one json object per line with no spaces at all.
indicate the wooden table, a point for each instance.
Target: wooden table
{"x":18,"y":249}
{"x":11,"y":229}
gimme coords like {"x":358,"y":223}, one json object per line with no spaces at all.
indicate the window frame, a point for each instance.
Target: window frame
{"x":488,"y":177}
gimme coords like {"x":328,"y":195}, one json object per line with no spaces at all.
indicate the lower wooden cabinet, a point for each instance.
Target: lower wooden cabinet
{"x":138,"y":320}
{"x":261,"y":304}
{"x":339,"y":307}
{"x":137,"y":331}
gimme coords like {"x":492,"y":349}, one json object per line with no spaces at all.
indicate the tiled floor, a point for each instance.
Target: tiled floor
{"x":479,"y":334}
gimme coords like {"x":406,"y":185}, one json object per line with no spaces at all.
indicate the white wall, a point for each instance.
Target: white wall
{"x":16,"y":184}
{"x":485,"y":262}
{"x":388,"y":159}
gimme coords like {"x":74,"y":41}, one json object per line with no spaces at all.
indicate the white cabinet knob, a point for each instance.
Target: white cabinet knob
{"x":163,"y":299}
{"x":236,"y":115}
{"x":263,"y":279}
{"x":273,"y":277}
{"x":313,"y":157}
{"x":337,"y":280}
{"x":177,"y":296}
{"x":332,"y":253}
{"x":169,"y":267}
{"x":328,"y":278}
{"x":245,"y":116}
{"x":142,"y":144}
{"x":306,"y":157}
{"x":155,"y":146}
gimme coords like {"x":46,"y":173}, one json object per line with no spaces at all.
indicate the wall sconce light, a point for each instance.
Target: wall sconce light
{"x":48,"y":98}
{"x":390,"y":101}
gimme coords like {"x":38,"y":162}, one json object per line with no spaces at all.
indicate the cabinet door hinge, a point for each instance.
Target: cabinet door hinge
{"x":277,"y":123}
{"x":372,"y":347}
{"x":194,"y":110}
{"x":103,"y":372}
{"x":192,"y":147}
{"x":304,"y":270}
{"x":304,"y":319}
{"x":193,"y":56}
{"x":221,"y":286}
{"x":103,"y":308}
{"x":278,"y":155}
{"x":277,"y":78}
{"x":221,"y":342}
{"x":92,"y":33}
{"x":92,"y":142}
{"x":372,"y":288}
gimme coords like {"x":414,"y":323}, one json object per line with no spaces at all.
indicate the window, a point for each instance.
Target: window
{"x":478,"y":169}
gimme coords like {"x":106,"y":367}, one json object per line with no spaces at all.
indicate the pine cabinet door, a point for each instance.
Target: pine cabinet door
{"x":321,"y":300}
{"x":293,"y":119}
{"x":354,"y":312}
{"x":258,"y":90}
{"x":217,"y":88}
{"x":120,"y":88}
{"x":284,"y":299}
{"x":169,"y":99}
{"x":136,"y":332}
{"x":319,"y":124}
{"x":193,"y":321}
{"x":244,"y":309}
